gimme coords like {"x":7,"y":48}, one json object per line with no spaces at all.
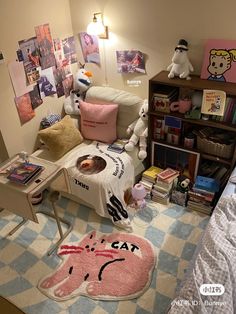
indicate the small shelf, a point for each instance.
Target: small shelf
{"x":196,"y":83}
{"x":203,"y":155}
{"x":161,"y":82}
{"x":219,"y":125}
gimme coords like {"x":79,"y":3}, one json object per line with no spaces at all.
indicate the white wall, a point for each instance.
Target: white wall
{"x":154,"y":27}
{"x":17,"y":22}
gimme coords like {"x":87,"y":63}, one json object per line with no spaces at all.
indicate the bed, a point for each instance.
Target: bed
{"x":104,"y":191}
{"x":214,"y":262}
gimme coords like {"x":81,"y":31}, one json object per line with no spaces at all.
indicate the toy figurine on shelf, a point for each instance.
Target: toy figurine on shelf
{"x":180,"y":65}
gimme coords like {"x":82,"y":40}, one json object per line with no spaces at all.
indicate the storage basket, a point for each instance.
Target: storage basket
{"x":216,"y":149}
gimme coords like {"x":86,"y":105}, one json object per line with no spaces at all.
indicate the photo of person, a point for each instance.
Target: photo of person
{"x":45,"y":44}
{"x":24,"y":108}
{"x":90,"y":164}
{"x":30,"y":55}
{"x":68,"y":85}
{"x":130,"y":61}
{"x":47,"y":84}
{"x":59,"y":75}
{"x":90,"y":47}
{"x":35,"y":97}
{"x":69,"y":49}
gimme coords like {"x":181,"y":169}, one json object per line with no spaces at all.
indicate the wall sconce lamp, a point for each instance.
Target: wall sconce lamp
{"x":97,"y":27}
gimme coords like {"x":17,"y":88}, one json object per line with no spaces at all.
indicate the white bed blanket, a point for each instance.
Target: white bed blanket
{"x":103,"y":190}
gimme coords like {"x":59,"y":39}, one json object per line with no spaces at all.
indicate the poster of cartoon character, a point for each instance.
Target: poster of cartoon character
{"x":219,"y":62}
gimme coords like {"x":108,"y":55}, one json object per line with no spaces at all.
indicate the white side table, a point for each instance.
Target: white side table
{"x":17,"y":198}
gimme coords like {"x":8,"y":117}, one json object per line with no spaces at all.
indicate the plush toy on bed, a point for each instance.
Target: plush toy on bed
{"x":180,"y":65}
{"x":81,"y":83}
{"x":139,"y":128}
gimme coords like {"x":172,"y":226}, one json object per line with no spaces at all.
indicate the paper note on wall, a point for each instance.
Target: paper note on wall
{"x":18,"y":78}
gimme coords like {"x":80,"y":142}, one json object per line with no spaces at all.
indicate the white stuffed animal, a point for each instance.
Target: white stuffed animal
{"x":81,"y":83}
{"x":82,"y":79}
{"x":180,"y":65}
{"x":140,"y":132}
{"x":71,"y":104}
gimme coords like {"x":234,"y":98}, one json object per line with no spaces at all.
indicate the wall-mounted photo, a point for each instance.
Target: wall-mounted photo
{"x":219,"y":63}
{"x":45,"y":44}
{"x":90,"y":47}
{"x":69,"y":49}
{"x":130,"y":61}
{"x":185,"y":161}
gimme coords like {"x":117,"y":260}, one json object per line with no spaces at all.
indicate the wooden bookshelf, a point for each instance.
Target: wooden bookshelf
{"x":160,"y":82}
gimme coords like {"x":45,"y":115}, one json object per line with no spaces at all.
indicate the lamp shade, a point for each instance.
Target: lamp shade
{"x":139,"y":192}
{"x":95,"y":28}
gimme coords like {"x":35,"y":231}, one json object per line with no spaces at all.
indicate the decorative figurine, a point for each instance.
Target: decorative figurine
{"x":180,"y":65}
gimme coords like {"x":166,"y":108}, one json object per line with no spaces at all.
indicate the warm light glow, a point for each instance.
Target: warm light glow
{"x":96,"y":27}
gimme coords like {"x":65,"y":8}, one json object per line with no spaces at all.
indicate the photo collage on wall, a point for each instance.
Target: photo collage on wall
{"x":43,"y":69}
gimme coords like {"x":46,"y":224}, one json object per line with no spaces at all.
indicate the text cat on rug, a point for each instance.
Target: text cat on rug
{"x":114,"y":266}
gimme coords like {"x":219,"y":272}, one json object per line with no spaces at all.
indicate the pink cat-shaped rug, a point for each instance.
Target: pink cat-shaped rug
{"x":115,"y":266}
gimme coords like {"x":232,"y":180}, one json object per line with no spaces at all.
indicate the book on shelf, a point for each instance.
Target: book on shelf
{"x":151,"y":173}
{"x":206,"y":183}
{"x":200,"y":196}
{"x":160,"y":194}
{"x":200,"y":208}
{"x":146,"y":184}
{"x":170,"y":180}
{"x":24,"y":173}
{"x":160,"y":188}
{"x":234,"y":116}
{"x":162,"y":99}
{"x":166,"y":91}
{"x":213,"y":102}
{"x":118,"y":146}
{"x":167,"y":173}
{"x":229,"y":108}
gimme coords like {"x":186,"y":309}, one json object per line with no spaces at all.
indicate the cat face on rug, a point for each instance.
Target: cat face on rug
{"x":113,"y":266}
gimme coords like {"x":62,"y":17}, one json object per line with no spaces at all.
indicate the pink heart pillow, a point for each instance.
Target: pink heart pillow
{"x":98,"y":122}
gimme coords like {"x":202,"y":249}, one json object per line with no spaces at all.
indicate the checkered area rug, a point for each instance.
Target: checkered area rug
{"x":172,"y":229}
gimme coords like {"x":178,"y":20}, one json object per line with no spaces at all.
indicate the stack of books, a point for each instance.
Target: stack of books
{"x":202,"y":195}
{"x":149,"y":178}
{"x":163,"y":185}
{"x":163,"y":98}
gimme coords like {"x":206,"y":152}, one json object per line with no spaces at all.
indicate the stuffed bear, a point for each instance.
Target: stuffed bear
{"x":81,"y":83}
{"x":180,"y":65}
{"x":140,"y":131}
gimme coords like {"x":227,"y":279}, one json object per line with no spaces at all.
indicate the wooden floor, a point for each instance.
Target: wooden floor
{"x":8,"y":308}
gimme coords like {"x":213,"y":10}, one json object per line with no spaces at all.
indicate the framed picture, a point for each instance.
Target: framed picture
{"x":219,"y":63}
{"x":183,"y":160}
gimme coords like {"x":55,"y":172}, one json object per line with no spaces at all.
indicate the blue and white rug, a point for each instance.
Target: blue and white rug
{"x":173,"y":230}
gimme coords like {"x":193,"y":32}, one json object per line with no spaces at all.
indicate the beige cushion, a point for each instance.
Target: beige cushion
{"x":129,"y":105}
{"x":61,"y":137}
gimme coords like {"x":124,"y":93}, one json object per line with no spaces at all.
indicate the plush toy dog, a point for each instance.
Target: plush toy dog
{"x":183,"y":184}
{"x":140,"y":131}
{"x":81,"y":83}
{"x":180,"y":65}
